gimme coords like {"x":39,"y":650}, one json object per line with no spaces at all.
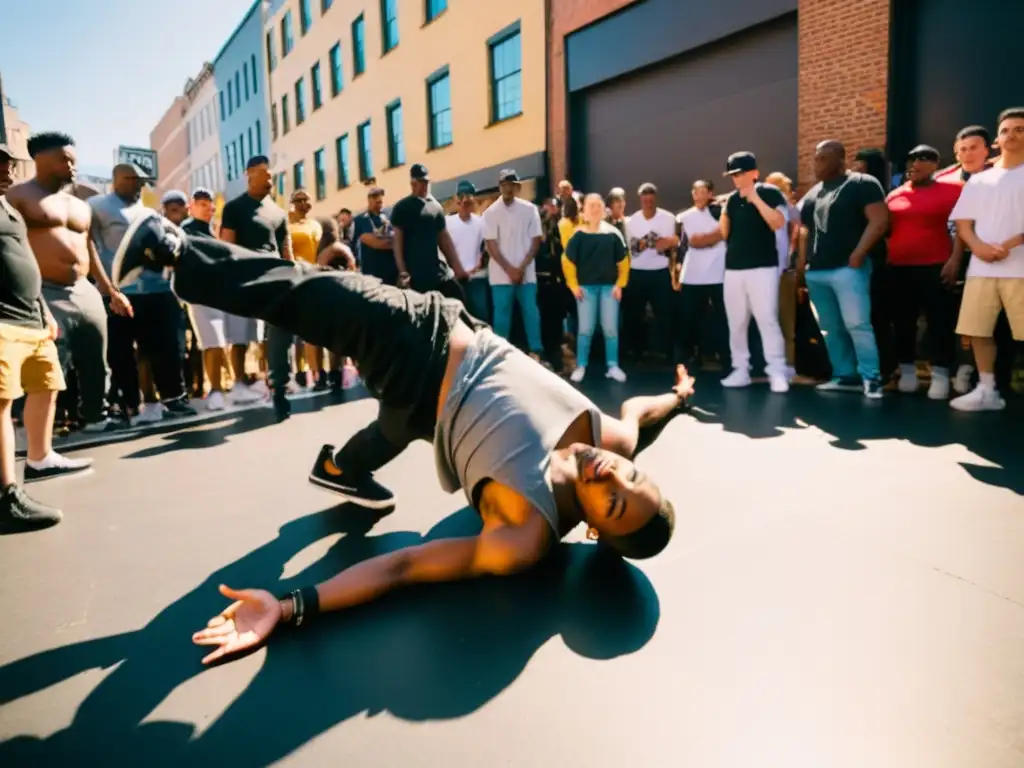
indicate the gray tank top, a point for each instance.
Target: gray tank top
{"x":503,"y":416}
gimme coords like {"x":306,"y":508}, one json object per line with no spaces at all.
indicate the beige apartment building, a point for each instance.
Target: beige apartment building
{"x":363,"y":90}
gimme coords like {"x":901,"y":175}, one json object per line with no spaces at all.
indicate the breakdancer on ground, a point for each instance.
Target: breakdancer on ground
{"x":534,"y":457}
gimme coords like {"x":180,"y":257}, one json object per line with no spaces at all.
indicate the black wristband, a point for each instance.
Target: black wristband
{"x":305,"y":604}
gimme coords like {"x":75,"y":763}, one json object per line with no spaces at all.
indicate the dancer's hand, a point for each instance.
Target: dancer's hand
{"x":684,"y":383}
{"x":243,"y":625}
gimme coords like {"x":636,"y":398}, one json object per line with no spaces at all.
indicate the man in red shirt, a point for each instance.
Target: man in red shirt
{"x":919,"y":249}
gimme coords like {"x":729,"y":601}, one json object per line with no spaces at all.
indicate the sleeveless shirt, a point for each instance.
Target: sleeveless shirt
{"x":504,"y":415}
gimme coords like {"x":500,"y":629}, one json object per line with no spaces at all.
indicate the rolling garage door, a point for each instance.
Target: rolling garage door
{"x":678,"y":120}
{"x":954,"y":65}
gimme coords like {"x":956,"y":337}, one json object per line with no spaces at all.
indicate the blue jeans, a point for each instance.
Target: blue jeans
{"x":526,"y":295}
{"x":842,"y":300}
{"x":476,"y":298}
{"x":598,"y":299}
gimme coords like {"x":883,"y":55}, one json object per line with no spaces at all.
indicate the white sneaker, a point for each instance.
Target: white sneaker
{"x":979,"y":399}
{"x":577,"y":375}
{"x":616,"y":374}
{"x":779,"y":384}
{"x":738,"y":378}
{"x":260,"y":388}
{"x":215,"y":401}
{"x":939,"y":388}
{"x":908,"y":383}
{"x":243,"y":394}
{"x":962,"y":380}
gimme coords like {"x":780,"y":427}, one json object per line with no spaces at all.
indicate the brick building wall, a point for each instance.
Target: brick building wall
{"x":565,"y":17}
{"x":844,"y":76}
{"x":170,"y":141}
{"x":844,"y":72}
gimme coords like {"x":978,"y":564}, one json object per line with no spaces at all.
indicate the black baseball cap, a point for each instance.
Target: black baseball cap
{"x":202,"y":193}
{"x":465,"y":187}
{"x":508,"y":174}
{"x":740,"y":162}
{"x":923,"y":152}
{"x":419,"y":173}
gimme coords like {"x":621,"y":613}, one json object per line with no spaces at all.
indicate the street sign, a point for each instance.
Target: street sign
{"x":144,"y":158}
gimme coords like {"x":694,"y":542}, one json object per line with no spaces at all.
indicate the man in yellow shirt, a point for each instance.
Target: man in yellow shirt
{"x":306,"y":232}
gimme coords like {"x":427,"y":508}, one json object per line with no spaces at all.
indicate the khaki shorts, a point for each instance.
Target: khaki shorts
{"x":28,"y":362}
{"x":984,"y":297}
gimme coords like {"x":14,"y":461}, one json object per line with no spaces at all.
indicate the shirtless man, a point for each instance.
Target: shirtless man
{"x":58,"y":233}
{"x":533,"y":455}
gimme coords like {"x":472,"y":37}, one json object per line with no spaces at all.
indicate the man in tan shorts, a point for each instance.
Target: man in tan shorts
{"x":989,"y":218}
{"x":28,"y":365}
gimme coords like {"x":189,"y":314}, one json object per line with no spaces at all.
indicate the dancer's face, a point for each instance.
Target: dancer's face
{"x":613,"y":495}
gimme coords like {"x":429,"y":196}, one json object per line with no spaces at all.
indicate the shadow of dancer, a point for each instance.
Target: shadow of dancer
{"x":425,"y":653}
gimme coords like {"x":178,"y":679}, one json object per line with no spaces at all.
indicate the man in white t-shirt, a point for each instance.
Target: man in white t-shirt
{"x":513,"y":236}
{"x":703,"y":270}
{"x":651,"y":238}
{"x":989,"y":218}
{"x":466,"y":230}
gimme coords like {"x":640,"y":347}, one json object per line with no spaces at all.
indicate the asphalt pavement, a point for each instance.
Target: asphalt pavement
{"x":845,"y":588}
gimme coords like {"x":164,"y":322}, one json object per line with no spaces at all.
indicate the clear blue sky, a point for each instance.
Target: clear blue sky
{"x":105,"y":71}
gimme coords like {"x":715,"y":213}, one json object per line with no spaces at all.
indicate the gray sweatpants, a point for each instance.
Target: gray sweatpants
{"x":82,"y":342}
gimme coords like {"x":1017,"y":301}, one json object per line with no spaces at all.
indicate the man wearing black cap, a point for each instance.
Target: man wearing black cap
{"x":848,"y":216}
{"x":420,"y":233}
{"x":533,"y":455}
{"x":28,"y":366}
{"x":513,"y":236}
{"x":752,"y":215}
{"x":58,"y":230}
{"x":374,"y":239}
{"x":253,"y":220}
{"x":918,"y":249}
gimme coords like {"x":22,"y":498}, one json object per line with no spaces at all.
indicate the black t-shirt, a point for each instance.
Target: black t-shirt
{"x":21,"y":285}
{"x":421,"y":220}
{"x":259,"y":225}
{"x":596,"y":256}
{"x":379,"y":262}
{"x":196,"y":227}
{"x":833,"y":213}
{"x":751,"y":243}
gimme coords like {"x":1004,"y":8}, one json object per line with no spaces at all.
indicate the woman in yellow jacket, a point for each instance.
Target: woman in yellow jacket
{"x":596,"y":268}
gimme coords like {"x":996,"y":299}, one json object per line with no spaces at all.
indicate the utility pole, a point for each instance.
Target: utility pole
{"x":3,"y":122}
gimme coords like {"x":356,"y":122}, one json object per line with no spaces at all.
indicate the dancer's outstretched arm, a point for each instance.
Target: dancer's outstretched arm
{"x":643,"y":418}
{"x":499,"y":550}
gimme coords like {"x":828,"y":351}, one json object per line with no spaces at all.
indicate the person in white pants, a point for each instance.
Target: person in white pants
{"x":752,"y":215}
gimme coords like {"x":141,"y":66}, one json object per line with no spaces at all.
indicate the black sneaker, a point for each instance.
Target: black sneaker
{"x":18,"y":512}
{"x":179,"y":408}
{"x":363,"y":491}
{"x":150,"y":242}
{"x":58,"y":466}
{"x":282,"y":408}
{"x":873,"y":389}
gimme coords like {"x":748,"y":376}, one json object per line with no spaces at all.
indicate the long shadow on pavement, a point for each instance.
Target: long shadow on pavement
{"x":426,"y":653}
{"x":849,"y":418}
